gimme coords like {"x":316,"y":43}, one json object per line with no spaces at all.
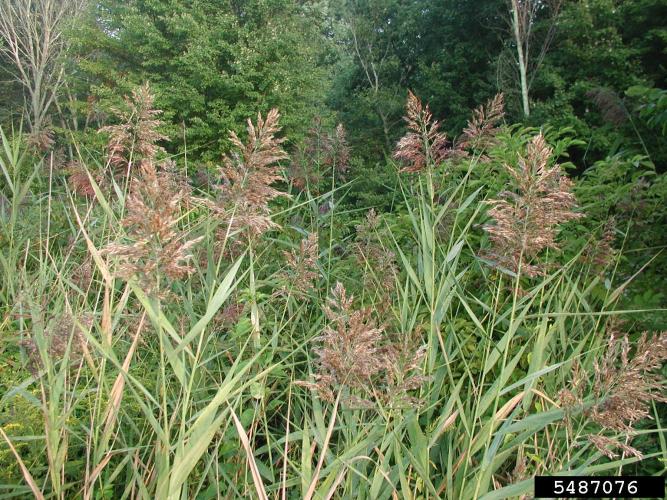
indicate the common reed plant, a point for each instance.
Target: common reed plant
{"x":134,"y":140}
{"x":527,"y":216}
{"x":276,"y":370}
{"x":248,"y":175}
{"x":321,"y":153}
{"x":157,"y":248}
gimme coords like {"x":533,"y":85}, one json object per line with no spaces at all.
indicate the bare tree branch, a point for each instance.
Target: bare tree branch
{"x":524,"y":15}
{"x":32,"y":38}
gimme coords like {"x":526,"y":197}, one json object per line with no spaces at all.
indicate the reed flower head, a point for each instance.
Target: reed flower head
{"x":349,"y":354}
{"x":229,"y":315}
{"x":157,"y":246}
{"x":627,"y":381}
{"x":41,"y":140}
{"x":423,"y":145}
{"x":341,"y":150}
{"x":321,"y":151}
{"x":79,"y":181}
{"x":600,"y":253}
{"x":301,"y":265}
{"x":248,"y":174}
{"x":527,"y":216}
{"x":63,"y":332}
{"x":610,"y":105}
{"x":480,"y":133}
{"x":605,"y":445}
{"x":136,"y":136}
{"x":356,"y":357}
{"x":379,"y":263}
{"x":402,"y":360}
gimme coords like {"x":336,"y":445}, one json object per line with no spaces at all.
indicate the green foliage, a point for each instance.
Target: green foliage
{"x":211,"y":64}
{"x":213,"y":381}
{"x":653,"y":107}
{"x":178,"y":382}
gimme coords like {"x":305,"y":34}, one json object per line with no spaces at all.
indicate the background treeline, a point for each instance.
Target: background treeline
{"x":212,"y":63}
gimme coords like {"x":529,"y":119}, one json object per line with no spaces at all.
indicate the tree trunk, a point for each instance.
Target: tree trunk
{"x":522,"y":60}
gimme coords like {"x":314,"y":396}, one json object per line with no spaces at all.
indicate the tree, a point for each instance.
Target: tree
{"x":211,"y":64}
{"x":598,"y":54}
{"x":443,"y":50}
{"x":524,"y":16}
{"x":372,"y":40}
{"x":370,"y":82}
{"x":33,"y":36}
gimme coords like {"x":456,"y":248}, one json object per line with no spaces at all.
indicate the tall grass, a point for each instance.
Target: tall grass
{"x":212,"y":386}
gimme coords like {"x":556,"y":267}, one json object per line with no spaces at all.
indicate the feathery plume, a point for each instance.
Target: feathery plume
{"x":248,"y":174}
{"x":605,"y":445}
{"x":301,"y":265}
{"x":610,"y":105}
{"x":136,"y":136}
{"x":626,"y":383}
{"x":379,"y":264}
{"x":600,"y":253}
{"x":41,"y":140}
{"x":423,"y":145}
{"x":62,"y":331}
{"x":349,"y":355}
{"x":321,"y":150}
{"x":482,"y":128}
{"x":79,"y":181}
{"x":402,"y":361}
{"x":358,"y":357}
{"x":157,"y":247}
{"x":82,"y":275}
{"x":527,"y":218}
{"x":230,"y":314}
{"x":341,"y":150}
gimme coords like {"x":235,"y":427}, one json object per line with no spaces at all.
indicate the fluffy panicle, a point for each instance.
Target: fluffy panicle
{"x":600,"y":253}
{"x":349,"y":354}
{"x":41,"y":140}
{"x":573,"y":395}
{"x":248,"y":174}
{"x":302,"y":174}
{"x":341,"y":149}
{"x":301,"y":265}
{"x":423,"y":145}
{"x":135,"y":137}
{"x":229,"y":315}
{"x":605,"y":445}
{"x":610,"y":105}
{"x":362,"y":361}
{"x":321,"y":151}
{"x":527,"y":218}
{"x":304,"y":168}
{"x":157,"y":246}
{"x":402,"y":361}
{"x":79,"y":181}
{"x":482,"y":128}
{"x":62,"y":332}
{"x":626,"y":383}
{"x":82,"y":274}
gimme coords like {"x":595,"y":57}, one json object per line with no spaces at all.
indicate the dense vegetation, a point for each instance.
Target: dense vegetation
{"x":346,"y":249}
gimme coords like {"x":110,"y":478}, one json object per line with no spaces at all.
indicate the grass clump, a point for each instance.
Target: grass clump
{"x":263,"y":339}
